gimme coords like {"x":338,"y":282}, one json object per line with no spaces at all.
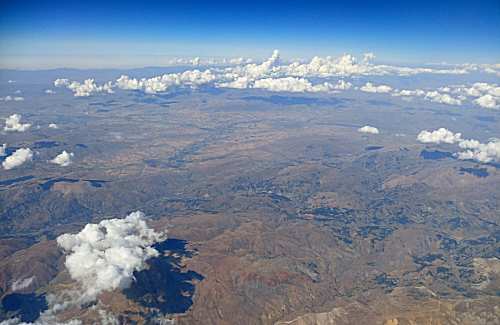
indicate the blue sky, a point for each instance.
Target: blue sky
{"x":396,"y":31}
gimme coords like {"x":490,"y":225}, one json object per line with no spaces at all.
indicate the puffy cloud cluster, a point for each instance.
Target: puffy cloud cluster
{"x":482,"y":94}
{"x":440,"y":135}
{"x":433,"y":95}
{"x":85,"y":89}
{"x":487,"y":101}
{"x":104,"y":256}
{"x":371,"y":88}
{"x":191,"y":78}
{"x":348,"y":65}
{"x":409,"y":93}
{"x":13,"y":123}
{"x":437,"y":97}
{"x":368,"y":129}
{"x":481,"y":152}
{"x":63,"y":159}
{"x":19,"y":157}
{"x":53,"y":126}
{"x":472,"y":149}
{"x":275,"y":75}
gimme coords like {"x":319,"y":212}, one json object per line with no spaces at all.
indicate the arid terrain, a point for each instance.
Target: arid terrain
{"x":277,"y":210}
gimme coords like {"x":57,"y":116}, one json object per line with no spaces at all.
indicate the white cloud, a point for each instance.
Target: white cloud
{"x":13,"y":123}
{"x":487,"y":101}
{"x":472,"y":149}
{"x":49,"y":91}
{"x":481,"y":152}
{"x":437,"y":97}
{"x":89,"y":87}
{"x":238,"y":61}
{"x":196,"y":61}
{"x":9,"y":98}
{"x":104,"y":256}
{"x":238,"y":83}
{"x":63,"y":159}
{"x":191,"y":78}
{"x":368,"y":129}
{"x":53,"y":126}
{"x":19,"y":157}
{"x":254,"y":71}
{"x":409,"y":93}
{"x":61,"y":82}
{"x":11,"y":81}
{"x":85,"y":89}
{"x":3,"y":147}
{"x":275,"y":75}
{"x":342,"y":85}
{"x":483,"y":94}
{"x":22,"y":283}
{"x":441,"y":135}
{"x":370,"y":88}
{"x":368,"y":57}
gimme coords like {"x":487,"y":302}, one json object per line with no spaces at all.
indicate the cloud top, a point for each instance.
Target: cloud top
{"x":63,"y":159}
{"x":13,"y":123}
{"x":368,"y":129}
{"x":19,"y":157}
{"x":441,"y":135}
{"x":472,"y":149}
{"x":104,"y":256}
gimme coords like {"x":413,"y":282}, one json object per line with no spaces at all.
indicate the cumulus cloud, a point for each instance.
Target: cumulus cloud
{"x":481,"y":152}
{"x":63,"y":159}
{"x":85,"y":89}
{"x":480,"y":93}
{"x":275,"y":75}
{"x":371,"y":88}
{"x":437,"y":97}
{"x":19,"y":157}
{"x":472,"y":149}
{"x":409,"y":93}
{"x":238,"y":61}
{"x":342,"y":85}
{"x":61,"y":82}
{"x":104,"y":256}
{"x":89,"y":87}
{"x":441,"y":135}
{"x":9,"y":98}
{"x":3,"y":147}
{"x":53,"y":126}
{"x":22,"y":283}
{"x":487,"y":101}
{"x":191,"y":78}
{"x":13,"y":123}
{"x":238,"y":83}
{"x":368,"y":129}
{"x":49,"y":91}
